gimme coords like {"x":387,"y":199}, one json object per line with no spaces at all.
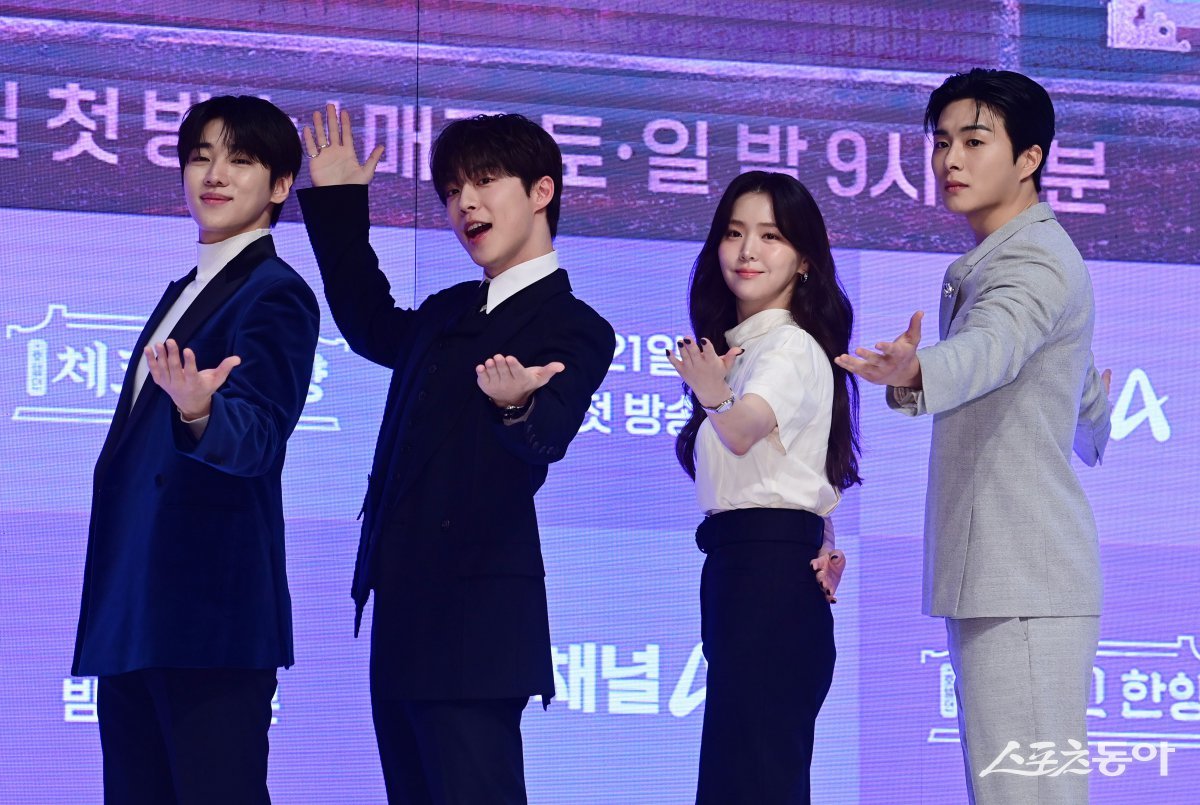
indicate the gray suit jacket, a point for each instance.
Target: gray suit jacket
{"x":1013,"y":388}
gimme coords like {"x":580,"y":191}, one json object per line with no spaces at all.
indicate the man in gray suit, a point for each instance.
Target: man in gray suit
{"x":1011,"y":556}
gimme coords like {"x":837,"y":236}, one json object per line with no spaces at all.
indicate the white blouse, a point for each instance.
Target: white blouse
{"x":785,"y":366}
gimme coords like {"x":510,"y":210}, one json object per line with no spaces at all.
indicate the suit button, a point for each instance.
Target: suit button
{"x":158,"y":481}
{"x":432,"y":368}
{"x":421,"y":395}
{"x":445,"y":525}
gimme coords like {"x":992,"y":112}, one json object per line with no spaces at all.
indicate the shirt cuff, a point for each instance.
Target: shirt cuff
{"x":196,"y":426}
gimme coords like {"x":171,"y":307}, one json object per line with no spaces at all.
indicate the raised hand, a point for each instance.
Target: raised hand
{"x":331,"y":155}
{"x":507,"y":382}
{"x":190,"y":389}
{"x":894,"y":364}
{"x":704,"y":370}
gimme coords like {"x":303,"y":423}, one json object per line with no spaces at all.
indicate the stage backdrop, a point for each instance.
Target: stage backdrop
{"x":657,"y":106}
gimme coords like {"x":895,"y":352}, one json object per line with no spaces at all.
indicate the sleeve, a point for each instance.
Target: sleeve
{"x":1022,"y":298}
{"x":906,"y":401}
{"x":257,"y":409}
{"x":1095,"y":420}
{"x":783,"y":375}
{"x":359,"y":294}
{"x":585,"y":347}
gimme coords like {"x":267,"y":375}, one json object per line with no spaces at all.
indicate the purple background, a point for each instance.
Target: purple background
{"x":102,"y":240}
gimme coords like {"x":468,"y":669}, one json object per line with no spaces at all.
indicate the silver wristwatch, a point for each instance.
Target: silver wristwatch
{"x":722,"y":407}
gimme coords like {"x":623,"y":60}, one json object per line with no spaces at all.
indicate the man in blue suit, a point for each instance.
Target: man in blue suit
{"x":186,"y":614}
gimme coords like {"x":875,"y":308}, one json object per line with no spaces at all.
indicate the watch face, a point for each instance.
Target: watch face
{"x":720,"y":408}
{"x":513,"y":411}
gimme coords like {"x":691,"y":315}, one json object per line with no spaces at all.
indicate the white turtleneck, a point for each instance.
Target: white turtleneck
{"x":210,"y":259}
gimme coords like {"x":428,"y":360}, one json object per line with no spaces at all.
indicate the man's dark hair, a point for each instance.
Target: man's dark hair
{"x":254,"y":127}
{"x":507,"y":145}
{"x":1022,"y":103}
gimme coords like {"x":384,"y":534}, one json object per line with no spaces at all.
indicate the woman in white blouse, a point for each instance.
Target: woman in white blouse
{"x":771,"y":444}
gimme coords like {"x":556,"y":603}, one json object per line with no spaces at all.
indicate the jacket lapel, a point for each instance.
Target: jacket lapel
{"x":951,"y":293}
{"x":223,"y":286}
{"x":121,"y":414}
{"x":962,"y":268}
{"x":215,"y":294}
{"x":474,"y":338}
{"x":511,"y":316}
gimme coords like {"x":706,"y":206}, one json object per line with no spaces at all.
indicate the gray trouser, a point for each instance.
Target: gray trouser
{"x":1024,"y":681}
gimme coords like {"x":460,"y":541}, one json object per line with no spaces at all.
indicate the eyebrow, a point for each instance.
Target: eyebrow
{"x":972,"y":127}
{"x":764,"y":223}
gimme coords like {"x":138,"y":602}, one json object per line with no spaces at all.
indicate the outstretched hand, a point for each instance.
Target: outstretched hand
{"x":507,"y":382}
{"x":703,"y":370}
{"x":190,"y":389}
{"x":331,"y":155}
{"x":894,"y":364}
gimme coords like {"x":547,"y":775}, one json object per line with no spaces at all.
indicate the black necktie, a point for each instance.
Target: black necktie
{"x":481,"y":297}
{"x":473,"y":318}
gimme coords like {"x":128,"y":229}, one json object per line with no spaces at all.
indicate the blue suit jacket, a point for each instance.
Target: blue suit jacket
{"x":185,"y":558}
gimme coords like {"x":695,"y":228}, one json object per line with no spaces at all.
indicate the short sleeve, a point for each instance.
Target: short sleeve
{"x":784,"y":374}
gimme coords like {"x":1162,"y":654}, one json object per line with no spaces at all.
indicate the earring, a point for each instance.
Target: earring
{"x":804,"y":278}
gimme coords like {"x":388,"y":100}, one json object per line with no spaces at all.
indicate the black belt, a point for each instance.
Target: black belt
{"x":760,"y":525}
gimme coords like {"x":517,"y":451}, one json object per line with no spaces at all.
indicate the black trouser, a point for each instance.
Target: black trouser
{"x":186,"y":735}
{"x":768,"y":639}
{"x":456,"y":752}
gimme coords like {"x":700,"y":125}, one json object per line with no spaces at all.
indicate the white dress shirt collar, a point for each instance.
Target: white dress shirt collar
{"x":761,"y":322}
{"x":520,"y":277}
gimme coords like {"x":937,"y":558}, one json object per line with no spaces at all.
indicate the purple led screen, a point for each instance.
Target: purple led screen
{"x":656,"y":106}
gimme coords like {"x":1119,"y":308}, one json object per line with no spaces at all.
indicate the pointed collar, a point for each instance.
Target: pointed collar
{"x":518,"y":278}
{"x":758,"y":324}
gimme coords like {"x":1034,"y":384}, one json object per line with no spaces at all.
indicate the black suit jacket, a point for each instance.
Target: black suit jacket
{"x":450,"y":538}
{"x":185,"y":557}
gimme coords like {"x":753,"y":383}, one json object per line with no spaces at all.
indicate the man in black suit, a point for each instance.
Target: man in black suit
{"x":491,"y":381}
{"x":186,"y":614}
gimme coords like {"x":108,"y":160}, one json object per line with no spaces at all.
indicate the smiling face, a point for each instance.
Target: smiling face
{"x":227,"y":192}
{"x":974,"y":165}
{"x":497,"y":222}
{"x":760,"y":267}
